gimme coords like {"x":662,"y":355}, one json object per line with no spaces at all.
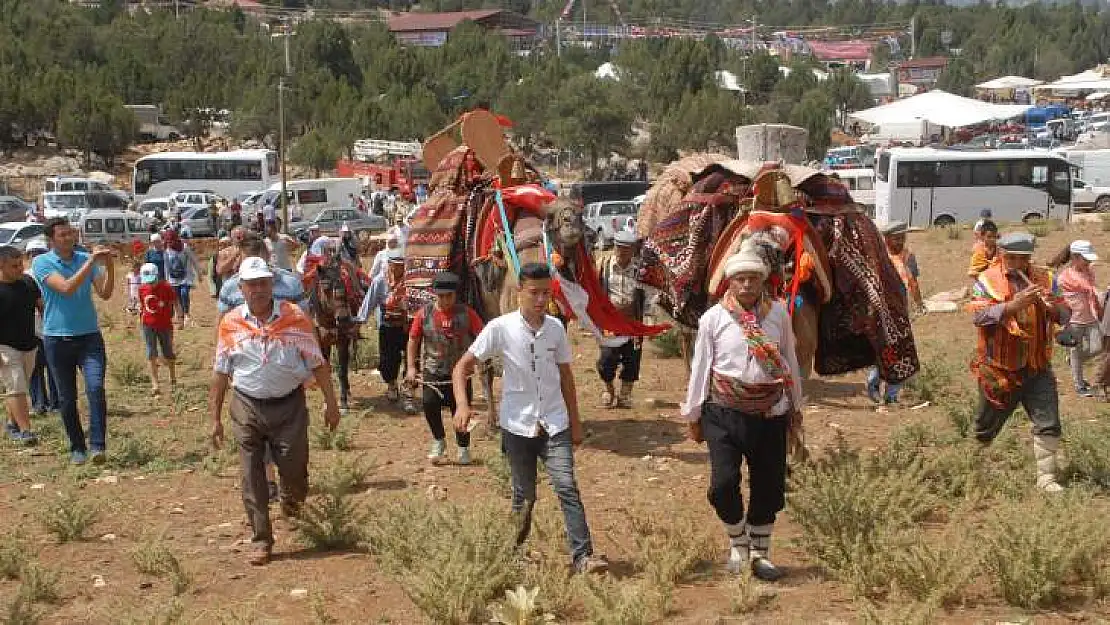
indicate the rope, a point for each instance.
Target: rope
{"x":509,"y":244}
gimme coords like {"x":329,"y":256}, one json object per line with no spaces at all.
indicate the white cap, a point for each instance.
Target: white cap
{"x":36,"y":245}
{"x":1084,"y":249}
{"x":154,"y":238}
{"x":314,"y":227}
{"x":254,"y":268}
{"x":148,"y":273}
{"x":745,"y":261}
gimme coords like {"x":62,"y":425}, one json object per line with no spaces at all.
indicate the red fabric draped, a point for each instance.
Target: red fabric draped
{"x":600,"y":309}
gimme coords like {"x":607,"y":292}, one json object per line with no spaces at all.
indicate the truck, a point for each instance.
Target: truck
{"x":1092,"y":166}
{"x":153,"y":125}
{"x":385,"y":165}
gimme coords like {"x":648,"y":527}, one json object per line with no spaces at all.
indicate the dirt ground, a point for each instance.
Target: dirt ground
{"x":633,"y":460}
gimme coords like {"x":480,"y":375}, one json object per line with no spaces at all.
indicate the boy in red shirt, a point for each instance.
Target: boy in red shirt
{"x":156,"y":300}
{"x":446,"y":329}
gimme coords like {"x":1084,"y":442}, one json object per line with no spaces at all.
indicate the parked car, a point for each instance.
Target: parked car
{"x":73,"y":204}
{"x":100,"y":227}
{"x":13,"y":208}
{"x":199,"y":222}
{"x":604,"y":219}
{"x":17,"y":233}
{"x":331,"y":220}
{"x":183,"y":201}
{"x":155,"y":207}
{"x":1088,"y":197}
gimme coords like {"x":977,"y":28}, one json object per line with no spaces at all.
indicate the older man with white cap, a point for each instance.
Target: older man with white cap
{"x":266,"y":351}
{"x":743,"y":397}
{"x":619,"y":279}
{"x":381,"y":259}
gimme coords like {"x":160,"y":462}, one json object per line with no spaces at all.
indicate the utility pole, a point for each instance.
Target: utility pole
{"x":755,"y":29}
{"x":281,"y":130}
{"x":913,"y":37}
{"x":559,"y":37}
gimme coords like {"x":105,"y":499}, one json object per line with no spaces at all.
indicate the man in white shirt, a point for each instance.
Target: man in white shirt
{"x":743,"y":397}
{"x":618,"y":277}
{"x":539,"y":409}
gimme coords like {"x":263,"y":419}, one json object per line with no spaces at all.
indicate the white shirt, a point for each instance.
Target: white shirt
{"x":279,"y":252}
{"x":381,"y":261}
{"x":531,"y":394}
{"x":722,"y":347}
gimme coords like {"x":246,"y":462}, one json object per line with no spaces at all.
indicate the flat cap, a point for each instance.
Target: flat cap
{"x":445,"y":282}
{"x":1017,"y":243}
{"x":893,"y":227}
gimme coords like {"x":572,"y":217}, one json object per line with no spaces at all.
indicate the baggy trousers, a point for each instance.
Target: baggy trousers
{"x":733,"y":437}
{"x":281,"y":425}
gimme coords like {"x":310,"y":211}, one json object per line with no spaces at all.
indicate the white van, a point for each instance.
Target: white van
{"x":72,"y":183}
{"x":860,"y":183}
{"x":101,"y":227}
{"x":314,"y":195}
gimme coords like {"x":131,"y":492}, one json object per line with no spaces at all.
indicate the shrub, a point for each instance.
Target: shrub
{"x":344,"y":476}
{"x":669,"y":552}
{"x":935,"y":569}
{"x":1038,"y":546}
{"x":331,"y":521}
{"x":1088,"y":453}
{"x":21,"y":611}
{"x":668,"y":344}
{"x":155,"y":559}
{"x":611,"y":602}
{"x":748,"y":595}
{"x":13,"y":553}
{"x":68,"y":517}
{"x":134,"y":451}
{"x":128,"y":373}
{"x":451,"y":561}
{"x":39,"y":584}
{"x":339,"y":439}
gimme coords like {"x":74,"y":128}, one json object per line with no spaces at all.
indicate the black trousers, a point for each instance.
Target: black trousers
{"x":434,"y":405}
{"x":733,"y":437}
{"x":626,"y":356}
{"x":392,"y":342}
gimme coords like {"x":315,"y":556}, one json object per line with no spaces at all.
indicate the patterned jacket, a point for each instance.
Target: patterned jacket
{"x":1022,"y":340}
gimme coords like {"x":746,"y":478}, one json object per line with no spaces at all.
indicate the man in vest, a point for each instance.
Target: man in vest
{"x":388,"y":293}
{"x":1015,"y":307}
{"x":446,"y":329}
{"x":894,"y":235}
{"x":618,"y":277}
{"x":744,"y":397}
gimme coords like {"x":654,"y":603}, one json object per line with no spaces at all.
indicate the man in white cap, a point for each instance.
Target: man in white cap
{"x":266,"y":351}
{"x":313,"y":236}
{"x":1077,"y":285}
{"x":381,"y":259}
{"x":348,"y":245}
{"x":743,"y":397}
{"x":156,"y":255}
{"x":386,"y":298}
{"x":618,"y":276}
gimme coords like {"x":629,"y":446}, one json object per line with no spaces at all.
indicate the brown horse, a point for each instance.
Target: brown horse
{"x":335,"y":293}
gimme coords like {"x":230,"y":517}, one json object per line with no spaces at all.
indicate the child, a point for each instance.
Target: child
{"x":1077,"y":282}
{"x":19,"y":296}
{"x":133,"y":282}
{"x":985,"y":250}
{"x":158,"y":298}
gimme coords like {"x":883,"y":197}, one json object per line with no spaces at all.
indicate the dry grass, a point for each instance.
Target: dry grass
{"x":39,"y":584}
{"x":68,"y":517}
{"x":153,"y":558}
{"x":13,"y":554}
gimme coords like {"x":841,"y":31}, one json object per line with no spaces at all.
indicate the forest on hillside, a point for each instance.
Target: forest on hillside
{"x":69,"y":71}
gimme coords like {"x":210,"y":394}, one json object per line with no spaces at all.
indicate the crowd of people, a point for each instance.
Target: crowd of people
{"x":744,"y":397}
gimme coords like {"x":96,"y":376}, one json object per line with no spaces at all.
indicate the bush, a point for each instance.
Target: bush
{"x":1039,"y":546}
{"x":668,"y":553}
{"x":668,"y":344}
{"x":128,"y":373}
{"x":1088,"y":453}
{"x":68,"y":517}
{"x":39,"y":585}
{"x":611,"y":602}
{"x":13,"y":553}
{"x":324,"y":439}
{"x":344,"y":476}
{"x":155,"y":559}
{"x":451,"y":561}
{"x":331,"y":521}
{"x":134,"y":451}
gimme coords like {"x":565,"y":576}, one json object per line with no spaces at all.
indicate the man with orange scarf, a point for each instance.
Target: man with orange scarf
{"x":894,"y":234}
{"x":1015,"y":306}
{"x":388,"y":293}
{"x":743,"y":400}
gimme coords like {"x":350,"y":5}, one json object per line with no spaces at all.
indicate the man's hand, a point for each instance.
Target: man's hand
{"x":217,"y":434}
{"x":462,"y":418}
{"x":576,"y":434}
{"x":1025,"y":297}
{"x":693,"y":431}
{"x":102,"y":253}
{"x":331,"y":416}
{"x":410,"y":378}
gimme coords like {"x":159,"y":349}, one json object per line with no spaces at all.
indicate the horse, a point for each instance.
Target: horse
{"x":336,"y":290}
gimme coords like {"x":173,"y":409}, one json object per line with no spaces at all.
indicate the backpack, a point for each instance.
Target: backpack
{"x":176,"y":268}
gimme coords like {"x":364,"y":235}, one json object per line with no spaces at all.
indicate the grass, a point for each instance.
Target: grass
{"x":344,"y":475}
{"x":13,"y":554}
{"x":748,"y":595}
{"x":331,"y":521}
{"x":1088,"y":454}
{"x":668,"y":344}
{"x":153,"y":558}
{"x":612,"y":602}
{"x":39,"y":584}
{"x":128,"y":373}
{"x":68,"y":517}
{"x":338,"y":440}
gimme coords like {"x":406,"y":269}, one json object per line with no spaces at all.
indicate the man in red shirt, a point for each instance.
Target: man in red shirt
{"x":446,"y":329}
{"x":156,"y":301}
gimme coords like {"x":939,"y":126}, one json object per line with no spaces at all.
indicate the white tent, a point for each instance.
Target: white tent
{"x":1098,"y":95}
{"x":940,"y":108}
{"x":1090,"y":80}
{"x":728,"y":81}
{"x":1009,"y":82}
{"x":607,"y":71}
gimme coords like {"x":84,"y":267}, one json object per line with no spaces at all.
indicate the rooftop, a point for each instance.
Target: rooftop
{"x":927,"y":62}
{"x":409,"y":22}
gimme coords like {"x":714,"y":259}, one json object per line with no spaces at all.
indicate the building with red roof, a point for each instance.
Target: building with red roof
{"x":922,"y":73}
{"x":432,"y":29}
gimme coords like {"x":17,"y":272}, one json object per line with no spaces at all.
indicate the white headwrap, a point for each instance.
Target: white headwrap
{"x":746,"y":260}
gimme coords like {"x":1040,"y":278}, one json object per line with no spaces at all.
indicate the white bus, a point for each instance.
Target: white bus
{"x":860,"y":183}
{"x":940,"y":187}
{"x":224,"y":173}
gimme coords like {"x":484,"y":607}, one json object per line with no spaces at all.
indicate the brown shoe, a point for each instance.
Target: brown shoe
{"x":258,"y":555}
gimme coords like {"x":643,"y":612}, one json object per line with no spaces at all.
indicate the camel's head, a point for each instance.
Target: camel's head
{"x":565,"y":224}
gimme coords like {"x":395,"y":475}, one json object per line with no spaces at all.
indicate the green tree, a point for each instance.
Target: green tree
{"x":703,"y":122}
{"x":588,"y":114}
{"x":957,"y":78}
{"x":317,"y":150}
{"x":815,"y":113}
{"x":847,"y":93}
{"x":97,"y":123}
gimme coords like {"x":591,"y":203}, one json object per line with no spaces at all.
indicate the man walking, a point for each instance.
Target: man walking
{"x":386,"y":296}
{"x":265,"y":352}
{"x":618,"y":278}
{"x":1015,"y":307}
{"x":19,"y":296}
{"x":539,"y":409}
{"x":445,"y":329}
{"x":744,"y":395}
{"x":44,"y":390}
{"x":71,"y":331}
{"x":287,"y":286}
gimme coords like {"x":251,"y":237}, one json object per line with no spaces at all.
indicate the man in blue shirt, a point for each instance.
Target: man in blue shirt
{"x":71,"y":331}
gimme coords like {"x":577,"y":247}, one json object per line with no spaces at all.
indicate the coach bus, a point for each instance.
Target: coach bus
{"x":224,"y":173}
{"x":940,"y":187}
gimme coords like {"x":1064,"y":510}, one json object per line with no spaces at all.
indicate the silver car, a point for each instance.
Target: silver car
{"x":199,"y":221}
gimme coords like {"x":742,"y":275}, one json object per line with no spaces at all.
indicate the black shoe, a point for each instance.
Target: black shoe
{"x":764,"y":570}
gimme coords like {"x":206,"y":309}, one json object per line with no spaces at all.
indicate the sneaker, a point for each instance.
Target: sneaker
{"x":98,"y":456}
{"x":591,"y":564}
{"x":764,"y":570}
{"x":439,"y":447}
{"x":26,"y":437}
{"x":12,"y":429}
{"x":873,"y":393}
{"x":464,"y":455}
{"x":78,"y":458}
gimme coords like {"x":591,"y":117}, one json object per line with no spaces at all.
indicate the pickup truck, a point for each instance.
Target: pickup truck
{"x":1087,"y":197}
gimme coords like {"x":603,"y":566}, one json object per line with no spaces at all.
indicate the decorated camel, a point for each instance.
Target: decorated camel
{"x":828,"y":258}
{"x":488,"y":212}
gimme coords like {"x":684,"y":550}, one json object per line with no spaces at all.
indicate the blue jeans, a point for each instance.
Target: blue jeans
{"x":182,"y":291}
{"x":65,"y":354}
{"x":873,"y":382}
{"x":44,"y":391}
{"x":557,"y":454}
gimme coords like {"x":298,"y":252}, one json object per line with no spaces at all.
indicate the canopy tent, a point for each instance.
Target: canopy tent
{"x":1098,"y":95}
{"x":1009,"y":82}
{"x":940,"y":108}
{"x":1097,"y":79}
